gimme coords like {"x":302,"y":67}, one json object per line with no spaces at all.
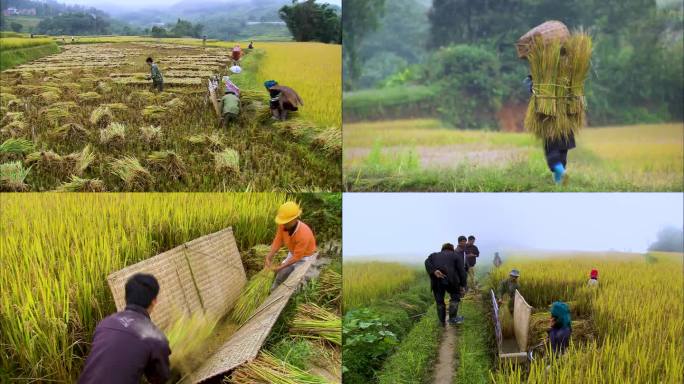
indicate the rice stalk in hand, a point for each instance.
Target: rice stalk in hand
{"x":169,"y":162}
{"x":187,"y":337}
{"x":17,"y":146}
{"x":101,"y":116}
{"x":268,"y":369}
{"x":77,"y":184}
{"x":89,"y":96}
{"x":227,"y":160}
{"x":134,"y":175}
{"x":12,"y":177}
{"x":71,"y":132}
{"x":115,"y":133}
{"x":151,"y":135}
{"x":254,"y":293}
{"x":312,"y":321}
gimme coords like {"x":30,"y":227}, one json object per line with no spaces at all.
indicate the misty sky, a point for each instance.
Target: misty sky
{"x":418,"y":223}
{"x":141,"y":4}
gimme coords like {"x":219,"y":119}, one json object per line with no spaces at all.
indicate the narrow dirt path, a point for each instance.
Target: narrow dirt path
{"x":444,"y":369}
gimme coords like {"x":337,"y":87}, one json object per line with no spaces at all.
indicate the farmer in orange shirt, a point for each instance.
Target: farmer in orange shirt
{"x":296,"y":236}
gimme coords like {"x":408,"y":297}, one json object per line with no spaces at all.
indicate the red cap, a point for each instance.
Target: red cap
{"x":594,"y":273}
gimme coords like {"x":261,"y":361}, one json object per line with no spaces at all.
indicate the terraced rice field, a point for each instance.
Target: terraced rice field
{"x":85,"y":120}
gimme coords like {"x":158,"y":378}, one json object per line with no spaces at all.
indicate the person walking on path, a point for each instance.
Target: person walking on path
{"x":296,"y":236}
{"x":472,"y":253}
{"x":461,"y":251}
{"x":497,"y":260}
{"x":447,"y":274}
{"x":508,"y":287}
{"x":283,"y":99}
{"x":127,"y":345}
{"x":155,"y":75}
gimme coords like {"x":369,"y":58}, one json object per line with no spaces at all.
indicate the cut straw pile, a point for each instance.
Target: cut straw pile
{"x":12,"y":176}
{"x":557,"y":107}
{"x":268,"y":369}
{"x":77,"y":184}
{"x":330,"y":286}
{"x":254,"y":293}
{"x":314,"y":322}
{"x":134,"y":175}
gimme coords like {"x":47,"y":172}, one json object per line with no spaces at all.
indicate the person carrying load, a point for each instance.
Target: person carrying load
{"x":283,"y":99}
{"x":236,"y":54}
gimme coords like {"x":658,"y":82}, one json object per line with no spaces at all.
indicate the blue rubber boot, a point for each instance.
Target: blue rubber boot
{"x":558,"y":173}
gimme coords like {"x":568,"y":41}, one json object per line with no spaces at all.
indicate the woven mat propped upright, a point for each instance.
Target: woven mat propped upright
{"x":521,"y":320}
{"x":205,"y":274}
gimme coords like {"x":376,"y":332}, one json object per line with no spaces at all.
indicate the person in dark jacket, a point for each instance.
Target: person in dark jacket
{"x":561,"y":327}
{"x":447,"y":274}
{"x":127,"y":345}
{"x":472,"y":253}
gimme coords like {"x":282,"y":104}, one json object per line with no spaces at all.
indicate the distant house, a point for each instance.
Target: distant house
{"x":11,"y":11}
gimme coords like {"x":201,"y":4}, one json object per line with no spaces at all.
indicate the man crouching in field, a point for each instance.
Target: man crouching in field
{"x":127,"y":344}
{"x":447,"y":274}
{"x":296,"y":236}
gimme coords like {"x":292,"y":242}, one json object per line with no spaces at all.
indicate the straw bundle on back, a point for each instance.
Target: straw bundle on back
{"x":254,"y":293}
{"x":559,"y":70}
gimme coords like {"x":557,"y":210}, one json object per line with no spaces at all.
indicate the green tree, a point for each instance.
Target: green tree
{"x":360,"y":17}
{"x":310,"y":21}
{"x":469,"y":83}
{"x":158,"y":32}
{"x":16,"y":27}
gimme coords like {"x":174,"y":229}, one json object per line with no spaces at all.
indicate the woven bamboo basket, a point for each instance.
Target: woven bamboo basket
{"x":549,"y":30}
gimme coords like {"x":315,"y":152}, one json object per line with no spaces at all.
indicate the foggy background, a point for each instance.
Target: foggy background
{"x":130,"y":5}
{"x":409,"y":226}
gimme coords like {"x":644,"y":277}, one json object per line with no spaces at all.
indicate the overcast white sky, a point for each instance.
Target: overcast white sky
{"x":416,"y":224}
{"x":139,"y":4}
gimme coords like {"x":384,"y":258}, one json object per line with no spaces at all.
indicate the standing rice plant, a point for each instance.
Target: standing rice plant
{"x":312,"y":321}
{"x":134,"y":175}
{"x":12,"y":177}
{"x":268,"y":369}
{"x":254,"y":293}
{"x":77,"y":184}
{"x":227,"y":160}
{"x":168,"y":162}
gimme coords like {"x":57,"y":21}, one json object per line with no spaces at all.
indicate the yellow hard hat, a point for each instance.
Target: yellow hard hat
{"x":288,"y":212}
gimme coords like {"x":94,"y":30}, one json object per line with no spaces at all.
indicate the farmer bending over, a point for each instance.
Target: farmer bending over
{"x":283,"y":99}
{"x":155,"y":75}
{"x":508,"y":287}
{"x":561,"y":327}
{"x":127,"y":344}
{"x":230,"y":108}
{"x":472,"y":253}
{"x":447,"y":274}
{"x":296,"y":236}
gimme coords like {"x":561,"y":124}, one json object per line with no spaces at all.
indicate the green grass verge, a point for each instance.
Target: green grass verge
{"x":13,"y":57}
{"x":474,"y":345}
{"x":413,"y":360}
{"x":387,"y":103}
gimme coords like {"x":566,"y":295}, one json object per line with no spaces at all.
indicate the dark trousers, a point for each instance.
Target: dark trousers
{"x":440,"y":291}
{"x":158,"y":85}
{"x":227,"y":119}
{"x":555,"y":156}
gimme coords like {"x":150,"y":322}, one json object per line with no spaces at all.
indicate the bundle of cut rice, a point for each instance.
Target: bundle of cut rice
{"x":227,"y":160}
{"x":12,"y":177}
{"x":253,"y":294}
{"x":77,"y":184}
{"x":16,"y":146}
{"x":312,"y":321}
{"x":268,"y":369}
{"x":540,"y":322}
{"x":101,"y":116}
{"x":115,"y":133}
{"x":134,"y":175}
{"x":168,"y":162}
{"x":70,"y":131}
{"x":151,"y":135}
{"x":559,"y":69}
